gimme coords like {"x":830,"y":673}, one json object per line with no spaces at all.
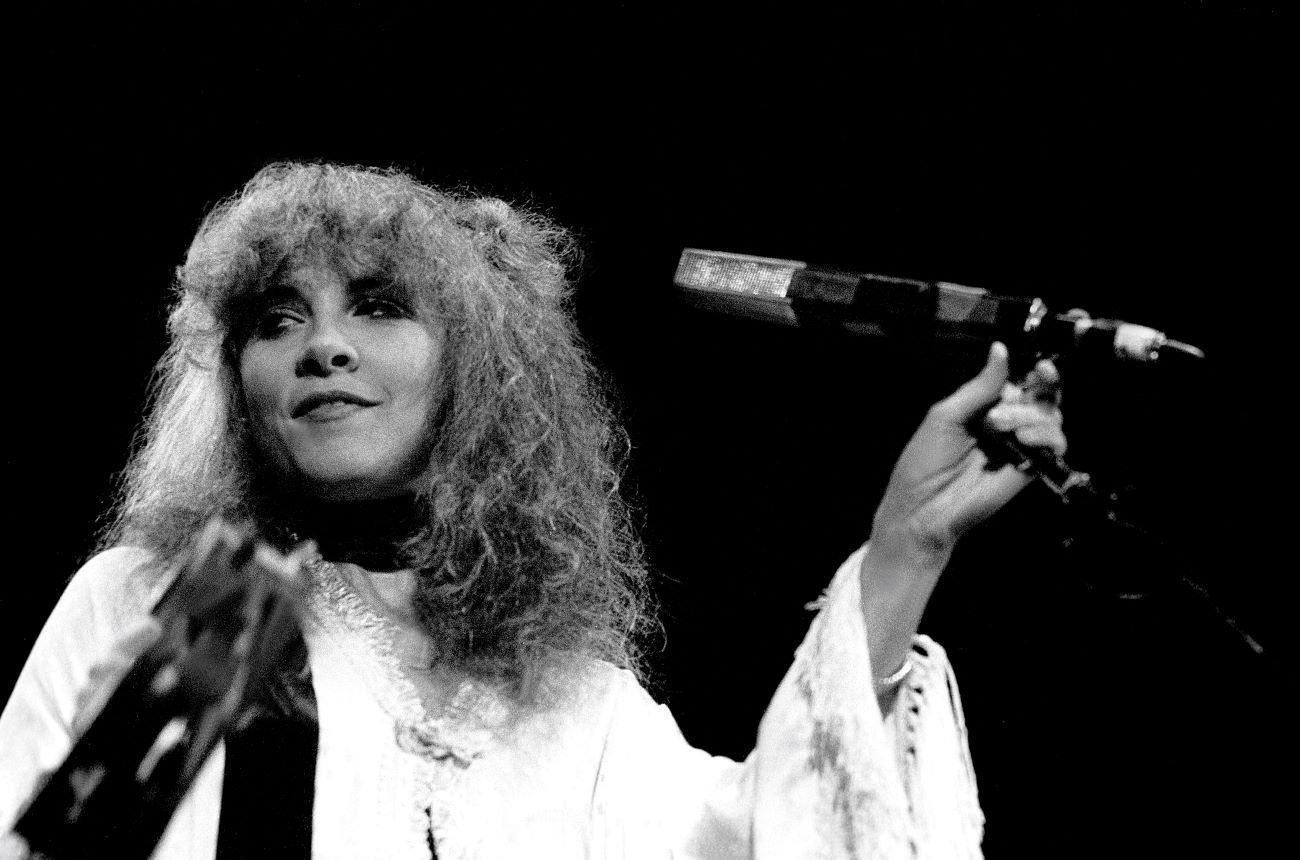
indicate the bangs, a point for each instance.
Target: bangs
{"x":372,"y":226}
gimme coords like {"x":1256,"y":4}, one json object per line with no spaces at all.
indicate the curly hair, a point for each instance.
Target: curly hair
{"x":525,"y":551}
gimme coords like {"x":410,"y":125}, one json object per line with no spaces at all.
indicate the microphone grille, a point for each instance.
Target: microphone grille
{"x":738,"y":274}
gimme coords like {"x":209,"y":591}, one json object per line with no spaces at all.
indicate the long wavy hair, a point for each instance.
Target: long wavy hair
{"x":524,"y":548}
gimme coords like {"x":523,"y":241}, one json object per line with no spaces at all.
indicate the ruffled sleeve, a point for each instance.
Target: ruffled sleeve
{"x":832,"y":772}
{"x":829,"y":776}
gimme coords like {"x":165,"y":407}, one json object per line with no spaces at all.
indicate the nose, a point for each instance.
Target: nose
{"x":326,"y":352}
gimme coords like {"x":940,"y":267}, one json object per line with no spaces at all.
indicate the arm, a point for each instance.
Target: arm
{"x":942,"y":486}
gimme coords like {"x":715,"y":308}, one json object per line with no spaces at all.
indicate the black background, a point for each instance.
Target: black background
{"x":1130,"y":163}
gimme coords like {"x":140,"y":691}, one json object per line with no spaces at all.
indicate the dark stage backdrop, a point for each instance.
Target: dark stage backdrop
{"x":1128,"y":163}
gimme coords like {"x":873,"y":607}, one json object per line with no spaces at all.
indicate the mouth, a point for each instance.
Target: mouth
{"x":329,"y":405}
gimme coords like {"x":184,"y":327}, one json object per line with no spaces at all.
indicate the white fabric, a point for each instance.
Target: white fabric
{"x":605,"y":775}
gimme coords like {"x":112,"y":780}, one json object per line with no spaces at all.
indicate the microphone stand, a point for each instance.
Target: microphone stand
{"x":1075,"y":331}
{"x":1087,"y":504}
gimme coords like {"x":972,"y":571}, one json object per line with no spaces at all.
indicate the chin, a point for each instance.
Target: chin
{"x":354,"y":482}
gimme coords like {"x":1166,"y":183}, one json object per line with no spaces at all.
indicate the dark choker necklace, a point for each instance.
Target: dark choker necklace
{"x":370,"y":534}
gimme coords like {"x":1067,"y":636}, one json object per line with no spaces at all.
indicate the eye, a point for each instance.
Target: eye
{"x":274,"y":321}
{"x":382,"y":307}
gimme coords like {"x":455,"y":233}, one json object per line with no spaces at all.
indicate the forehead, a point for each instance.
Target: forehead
{"x":316,"y":272}
{"x":306,"y":266}
{"x":310,"y":276}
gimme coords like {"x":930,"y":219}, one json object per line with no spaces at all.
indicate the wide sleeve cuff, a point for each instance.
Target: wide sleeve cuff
{"x":831,"y":772}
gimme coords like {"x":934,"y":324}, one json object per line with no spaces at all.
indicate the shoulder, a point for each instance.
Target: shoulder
{"x":111,"y":568}
{"x":618,"y":708}
{"x":583,"y":703}
{"x":602,"y":689}
{"x":581,"y":691}
{"x":112,"y":587}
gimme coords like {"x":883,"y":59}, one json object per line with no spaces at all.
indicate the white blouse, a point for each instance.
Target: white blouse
{"x":605,"y":773}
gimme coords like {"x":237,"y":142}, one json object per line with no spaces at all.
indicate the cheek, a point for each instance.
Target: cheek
{"x":419,"y":367}
{"x":258,"y":387}
{"x":423,"y":385}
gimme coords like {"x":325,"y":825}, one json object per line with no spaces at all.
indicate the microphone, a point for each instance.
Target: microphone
{"x":794,"y":293}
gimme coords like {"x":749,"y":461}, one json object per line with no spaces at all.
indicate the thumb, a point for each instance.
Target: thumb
{"x":980,"y":392}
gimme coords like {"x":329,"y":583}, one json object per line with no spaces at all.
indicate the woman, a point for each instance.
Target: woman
{"x":388,"y":370}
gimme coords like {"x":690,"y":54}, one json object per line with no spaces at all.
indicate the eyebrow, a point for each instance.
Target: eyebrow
{"x":370,"y":285}
{"x":385,"y":287}
{"x":256,"y":301}
{"x":282,"y":287}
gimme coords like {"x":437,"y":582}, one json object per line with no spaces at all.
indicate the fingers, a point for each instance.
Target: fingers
{"x":1033,"y":425}
{"x":1027,"y":410}
{"x":1006,"y":417}
{"x":1046,"y":436}
{"x":1043,"y":383}
{"x":977,"y":394}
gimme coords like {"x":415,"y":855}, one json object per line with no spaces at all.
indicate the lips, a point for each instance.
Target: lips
{"x":328,"y":405}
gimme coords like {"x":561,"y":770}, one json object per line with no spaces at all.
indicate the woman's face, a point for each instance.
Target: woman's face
{"x":341,"y":381}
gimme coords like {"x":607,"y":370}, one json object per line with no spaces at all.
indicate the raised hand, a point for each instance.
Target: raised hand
{"x":943,"y":485}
